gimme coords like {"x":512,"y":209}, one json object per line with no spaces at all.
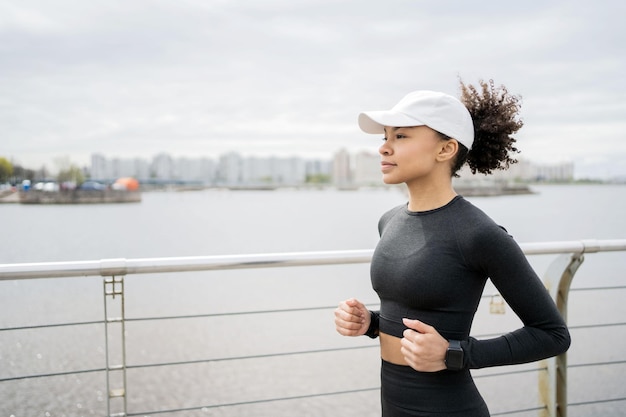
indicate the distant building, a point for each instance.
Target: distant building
{"x":141,"y":169}
{"x":319,"y":168}
{"x":104,"y":169}
{"x":525,"y":170}
{"x":197,"y":170}
{"x":122,"y":168}
{"x":230,"y":169}
{"x":367,"y":169}
{"x":561,"y":172}
{"x":162,"y":167}
{"x":342,"y":170}
{"x":288,"y":171}
{"x":98,"y":167}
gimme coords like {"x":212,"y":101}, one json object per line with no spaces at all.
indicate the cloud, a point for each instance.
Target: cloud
{"x":193,"y":76}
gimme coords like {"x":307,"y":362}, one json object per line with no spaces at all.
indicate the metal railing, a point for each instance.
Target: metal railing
{"x":552,"y":372}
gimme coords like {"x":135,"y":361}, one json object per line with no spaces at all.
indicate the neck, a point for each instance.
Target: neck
{"x":430,"y":195}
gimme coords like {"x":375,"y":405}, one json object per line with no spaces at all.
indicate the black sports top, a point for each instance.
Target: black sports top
{"x":433,"y":266}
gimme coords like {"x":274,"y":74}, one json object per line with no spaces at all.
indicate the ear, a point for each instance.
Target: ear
{"x":448,"y":150}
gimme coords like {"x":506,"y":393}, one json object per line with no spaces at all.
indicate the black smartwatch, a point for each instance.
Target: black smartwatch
{"x":454,"y":356}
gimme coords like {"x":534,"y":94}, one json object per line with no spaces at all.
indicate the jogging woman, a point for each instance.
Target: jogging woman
{"x":436,"y":253}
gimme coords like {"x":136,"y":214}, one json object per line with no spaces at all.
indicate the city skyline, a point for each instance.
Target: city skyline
{"x":187,"y":78}
{"x":343,"y":168}
{"x":234,"y":169}
{"x":62,"y":162}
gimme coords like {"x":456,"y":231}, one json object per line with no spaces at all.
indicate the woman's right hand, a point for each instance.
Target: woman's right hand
{"x":352,"y":318}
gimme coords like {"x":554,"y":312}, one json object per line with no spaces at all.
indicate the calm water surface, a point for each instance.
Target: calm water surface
{"x":226,"y":222}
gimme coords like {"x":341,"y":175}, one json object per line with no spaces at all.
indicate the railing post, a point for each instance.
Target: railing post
{"x":553,"y":371}
{"x":115,"y":374}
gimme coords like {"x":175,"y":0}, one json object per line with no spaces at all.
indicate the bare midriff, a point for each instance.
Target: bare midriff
{"x":390,"y":349}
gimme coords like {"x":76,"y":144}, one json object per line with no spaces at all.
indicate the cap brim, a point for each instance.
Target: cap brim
{"x":375,"y":121}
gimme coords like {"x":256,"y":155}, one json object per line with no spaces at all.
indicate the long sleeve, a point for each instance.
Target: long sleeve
{"x":544,"y":333}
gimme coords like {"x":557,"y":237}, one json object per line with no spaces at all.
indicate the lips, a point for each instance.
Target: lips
{"x":385,"y":165}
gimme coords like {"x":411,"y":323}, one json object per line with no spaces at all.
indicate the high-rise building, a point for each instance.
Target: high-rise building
{"x":229,"y":171}
{"x":367,"y":169}
{"x":342,"y":170}
{"x":98,"y":166}
{"x":162,"y":167}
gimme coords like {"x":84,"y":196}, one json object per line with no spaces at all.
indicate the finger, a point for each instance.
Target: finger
{"x":348,"y":323}
{"x":410,"y":357}
{"x":345,"y":332}
{"x":406,"y":345}
{"x":355,"y":304}
{"x":352,"y":302}
{"x":348,"y":328}
{"x":349,"y":315}
{"x":346,"y":305}
{"x":345,"y":310}
{"x":409,"y":335}
{"x":418,"y":326}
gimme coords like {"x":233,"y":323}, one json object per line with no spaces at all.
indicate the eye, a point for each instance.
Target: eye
{"x":384,"y":138}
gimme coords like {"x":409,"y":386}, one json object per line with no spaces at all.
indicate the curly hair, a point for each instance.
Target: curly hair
{"x":495,"y":114}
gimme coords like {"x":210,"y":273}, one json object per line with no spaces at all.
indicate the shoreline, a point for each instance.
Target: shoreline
{"x":71,"y":197}
{"x":124,"y":196}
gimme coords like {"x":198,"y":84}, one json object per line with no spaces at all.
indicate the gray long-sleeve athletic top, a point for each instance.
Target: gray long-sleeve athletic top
{"x":433,"y":266}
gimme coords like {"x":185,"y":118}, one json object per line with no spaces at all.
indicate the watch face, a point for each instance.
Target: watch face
{"x":454,"y":359}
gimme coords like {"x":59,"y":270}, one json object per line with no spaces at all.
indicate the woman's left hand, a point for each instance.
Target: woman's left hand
{"x":423,"y":347}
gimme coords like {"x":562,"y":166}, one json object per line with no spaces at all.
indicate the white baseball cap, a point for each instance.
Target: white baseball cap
{"x":439,"y":111}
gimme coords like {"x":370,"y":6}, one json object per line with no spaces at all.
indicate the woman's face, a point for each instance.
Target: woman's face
{"x":409,"y":153}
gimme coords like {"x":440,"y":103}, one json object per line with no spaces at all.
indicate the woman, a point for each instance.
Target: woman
{"x":436,"y":252}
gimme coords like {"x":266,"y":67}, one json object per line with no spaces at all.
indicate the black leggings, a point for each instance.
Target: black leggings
{"x":408,"y":393}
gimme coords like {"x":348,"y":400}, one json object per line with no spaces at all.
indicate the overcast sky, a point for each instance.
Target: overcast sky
{"x":133,"y":78}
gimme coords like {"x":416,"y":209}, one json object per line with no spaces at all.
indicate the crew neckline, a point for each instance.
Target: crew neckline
{"x":421,"y":213}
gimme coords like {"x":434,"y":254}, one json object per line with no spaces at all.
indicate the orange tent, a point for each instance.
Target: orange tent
{"x":127,"y":183}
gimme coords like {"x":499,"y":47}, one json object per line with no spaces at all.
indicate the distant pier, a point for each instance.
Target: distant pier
{"x":491,"y":189}
{"x":78,"y":197}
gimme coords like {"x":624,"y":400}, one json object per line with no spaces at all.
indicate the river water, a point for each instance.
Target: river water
{"x":220,"y":222}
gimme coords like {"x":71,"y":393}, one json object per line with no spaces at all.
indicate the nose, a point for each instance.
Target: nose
{"x":385,"y":149}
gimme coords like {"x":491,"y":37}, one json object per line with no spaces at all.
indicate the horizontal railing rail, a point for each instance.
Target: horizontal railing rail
{"x":556,"y":403}
{"x":123,"y":266}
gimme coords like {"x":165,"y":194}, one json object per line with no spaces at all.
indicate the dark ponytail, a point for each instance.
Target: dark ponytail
{"x":495,"y":114}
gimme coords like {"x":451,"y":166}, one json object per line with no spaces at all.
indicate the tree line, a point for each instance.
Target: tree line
{"x":15,"y":173}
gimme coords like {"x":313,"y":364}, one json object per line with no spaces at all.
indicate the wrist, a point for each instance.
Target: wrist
{"x":372,"y":330}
